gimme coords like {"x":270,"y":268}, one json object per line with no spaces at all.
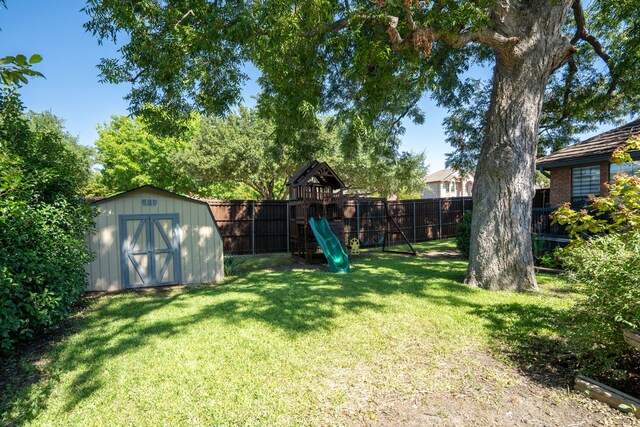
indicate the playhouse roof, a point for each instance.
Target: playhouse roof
{"x":320,"y":171}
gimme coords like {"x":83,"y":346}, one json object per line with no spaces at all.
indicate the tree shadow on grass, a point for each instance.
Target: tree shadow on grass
{"x":532,"y":337}
{"x":295,"y":301}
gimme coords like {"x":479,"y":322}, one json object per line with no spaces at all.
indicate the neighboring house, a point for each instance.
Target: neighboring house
{"x":584,"y":168}
{"x":447,"y":183}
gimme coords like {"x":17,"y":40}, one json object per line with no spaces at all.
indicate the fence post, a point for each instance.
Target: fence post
{"x":440,"y":218}
{"x":358,"y":220}
{"x":253,"y":227}
{"x":414,"y":222}
{"x":286,"y":205}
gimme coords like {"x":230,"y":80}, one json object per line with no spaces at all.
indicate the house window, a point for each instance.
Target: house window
{"x":585,"y":181}
{"x":452,"y":187}
{"x":630,"y":168}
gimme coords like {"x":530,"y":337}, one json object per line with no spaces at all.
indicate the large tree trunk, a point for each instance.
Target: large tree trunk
{"x":500,"y":253}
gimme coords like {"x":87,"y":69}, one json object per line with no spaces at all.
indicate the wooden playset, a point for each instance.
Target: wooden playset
{"x":316,"y":191}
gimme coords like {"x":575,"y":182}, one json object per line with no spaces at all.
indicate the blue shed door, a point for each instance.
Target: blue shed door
{"x":150,"y":250}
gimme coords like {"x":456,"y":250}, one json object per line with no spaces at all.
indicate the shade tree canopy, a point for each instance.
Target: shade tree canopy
{"x":370,"y":62}
{"x":236,"y":157}
{"x":129,"y":155}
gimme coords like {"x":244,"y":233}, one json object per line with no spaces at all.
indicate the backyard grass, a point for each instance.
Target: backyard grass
{"x":291,"y":346}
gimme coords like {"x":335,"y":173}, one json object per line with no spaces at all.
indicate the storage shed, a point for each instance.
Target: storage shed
{"x":152,"y":237}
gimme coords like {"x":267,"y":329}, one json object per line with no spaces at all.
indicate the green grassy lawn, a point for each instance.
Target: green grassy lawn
{"x":281,"y":346}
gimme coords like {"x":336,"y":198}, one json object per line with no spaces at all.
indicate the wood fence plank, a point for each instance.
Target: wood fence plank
{"x":608,"y":395}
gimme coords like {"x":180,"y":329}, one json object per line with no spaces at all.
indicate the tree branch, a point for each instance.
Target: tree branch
{"x":401,"y":116}
{"x":573,"y":69}
{"x":136,"y":77}
{"x":486,"y":36}
{"x":583,"y":34}
{"x":190,"y":12}
{"x":333,"y":26}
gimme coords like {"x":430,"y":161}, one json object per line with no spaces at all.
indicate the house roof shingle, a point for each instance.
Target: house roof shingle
{"x":443,"y":175}
{"x":596,"y":148}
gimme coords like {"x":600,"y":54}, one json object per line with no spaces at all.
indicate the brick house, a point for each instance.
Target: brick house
{"x":447,"y":183}
{"x":584,"y":168}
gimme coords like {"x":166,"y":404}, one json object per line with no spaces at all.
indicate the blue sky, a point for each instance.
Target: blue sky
{"x":72,"y":91}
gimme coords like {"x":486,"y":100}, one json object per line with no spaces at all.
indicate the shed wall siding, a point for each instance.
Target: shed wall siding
{"x":200,"y":242}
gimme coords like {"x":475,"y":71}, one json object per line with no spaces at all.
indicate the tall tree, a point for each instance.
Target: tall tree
{"x":371,"y":61}
{"x":131,"y":156}
{"x":241,"y":148}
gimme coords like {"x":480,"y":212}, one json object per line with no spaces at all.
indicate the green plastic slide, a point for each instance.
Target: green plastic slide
{"x":330,"y":245}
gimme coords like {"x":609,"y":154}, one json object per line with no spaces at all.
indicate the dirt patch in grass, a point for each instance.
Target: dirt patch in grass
{"x":440,"y":253}
{"x":477,"y":390}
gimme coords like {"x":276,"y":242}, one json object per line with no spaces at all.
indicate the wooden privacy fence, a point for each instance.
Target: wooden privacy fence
{"x":254,"y":227}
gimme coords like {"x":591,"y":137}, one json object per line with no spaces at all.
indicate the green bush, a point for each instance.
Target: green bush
{"x":606,"y":269}
{"x":232,"y":265}
{"x":552,"y":259}
{"x":43,"y":226}
{"x":463,"y":234}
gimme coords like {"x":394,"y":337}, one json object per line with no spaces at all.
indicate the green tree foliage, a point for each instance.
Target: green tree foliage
{"x":371,"y":174}
{"x":369,"y":61}
{"x":236,"y":157}
{"x":14,"y":70}
{"x":43,"y":222}
{"x":130,"y":155}
{"x":239,"y":148}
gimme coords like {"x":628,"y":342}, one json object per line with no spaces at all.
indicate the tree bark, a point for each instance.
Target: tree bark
{"x":500,"y":253}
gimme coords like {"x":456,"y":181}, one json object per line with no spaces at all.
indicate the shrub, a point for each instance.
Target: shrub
{"x":43,"y":226}
{"x":604,"y":260}
{"x":606,"y":271}
{"x":463,"y":234}
{"x":232,"y":265}
{"x":552,"y":259}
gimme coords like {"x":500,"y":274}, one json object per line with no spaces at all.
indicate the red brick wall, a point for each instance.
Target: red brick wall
{"x":561,"y":184}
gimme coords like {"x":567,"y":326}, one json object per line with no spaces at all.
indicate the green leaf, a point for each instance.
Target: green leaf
{"x":21,"y":60}
{"x":35,"y":58}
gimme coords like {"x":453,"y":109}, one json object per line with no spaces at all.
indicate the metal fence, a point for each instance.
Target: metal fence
{"x":254,"y":227}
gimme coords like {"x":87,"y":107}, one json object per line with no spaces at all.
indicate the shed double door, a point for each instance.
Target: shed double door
{"x":150,"y":250}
